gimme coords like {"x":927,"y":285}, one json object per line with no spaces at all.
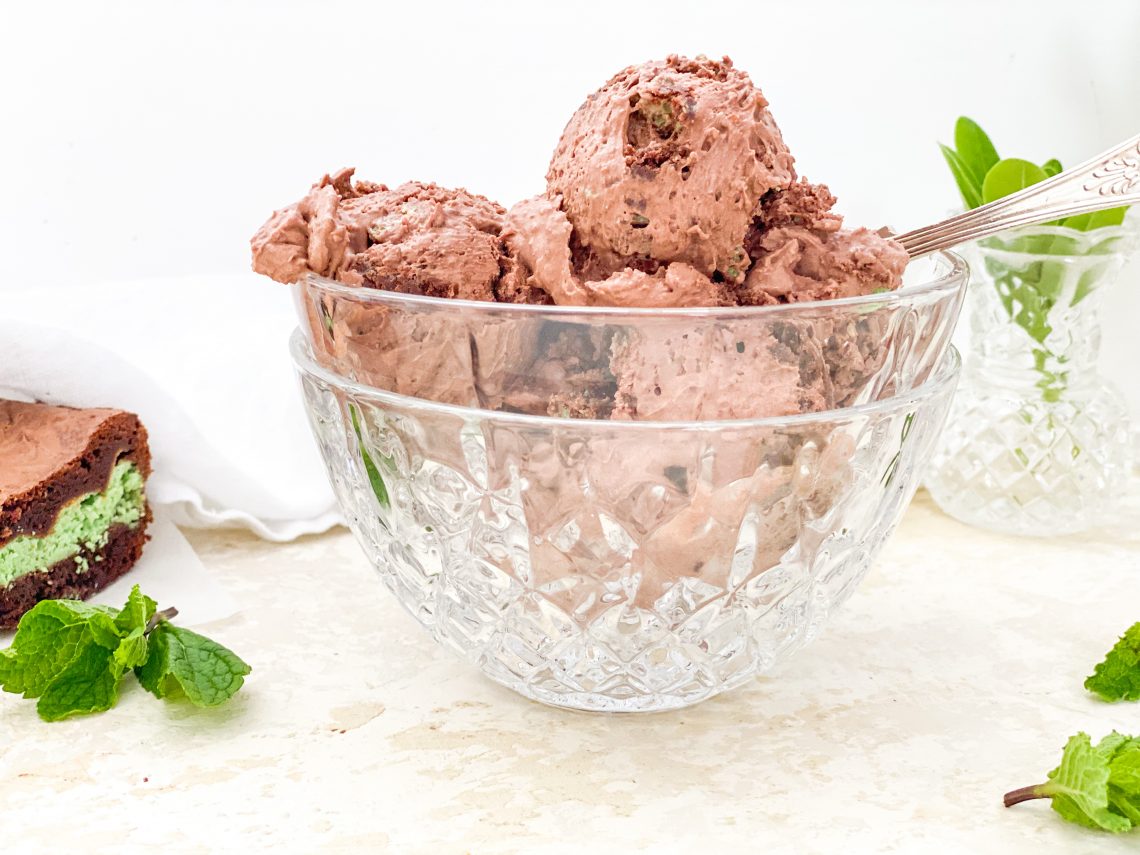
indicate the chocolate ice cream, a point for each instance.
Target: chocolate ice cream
{"x":667,"y":163}
{"x":417,"y":239}
{"x":671,"y":187}
{"x":800,"y":251}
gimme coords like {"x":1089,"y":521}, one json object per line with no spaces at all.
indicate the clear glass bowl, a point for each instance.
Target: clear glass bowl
{"x":639,"y":364}
{"x":615,"y":565}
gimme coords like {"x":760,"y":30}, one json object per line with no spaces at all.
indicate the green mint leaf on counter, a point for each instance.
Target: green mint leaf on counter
{"x":968,"y":186}
{"x":73,"y":656}
{"x":49,"y":637}
{"x":975,"y":148}
{"x":185,"y":663}
{"x":89,"y":684}
{"x":1124,"y":781}
{"x":1052,"y":166}
{"x":1094,"y":786}
{"x":1117,"y":678}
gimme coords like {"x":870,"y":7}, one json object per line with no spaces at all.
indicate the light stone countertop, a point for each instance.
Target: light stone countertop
{"x":952,"y":675}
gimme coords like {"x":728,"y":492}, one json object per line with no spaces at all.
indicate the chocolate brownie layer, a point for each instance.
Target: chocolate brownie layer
{"x":52,"y":455}
{"x":66,"y":579}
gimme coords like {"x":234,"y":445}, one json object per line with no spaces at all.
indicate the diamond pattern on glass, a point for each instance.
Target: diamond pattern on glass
{"x":612,"y":568}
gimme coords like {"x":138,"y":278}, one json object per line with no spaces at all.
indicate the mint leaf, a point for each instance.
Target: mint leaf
{"x":132,"y":651}
{"x":1111,"y":744}
{"x":1096,"y":219}
{"x":1125,"y":805}
{"x":1079,"y":787}
{"x":90,"y":683}
{"x":374,"y":478}
{"x":183,"y":662}
{"x":968,"y":186}
{"x":72,"y":656}
{"x":7,"y":664}
{"x":48,"y":638}
{"x":1117,"y":678}
{"x":1124,"y":775}
{"x":137,"y":612}
{"x":1028,"y":291}
{"x":104,"y":630}
{"x":1009,"y":176}
{"x":982,"y":177}
{"x":1124,"y":767}
{"x":1084,"y":788}
{"x":975,"y":149}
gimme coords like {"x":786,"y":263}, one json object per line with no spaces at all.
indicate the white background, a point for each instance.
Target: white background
{"x":151,"y":139}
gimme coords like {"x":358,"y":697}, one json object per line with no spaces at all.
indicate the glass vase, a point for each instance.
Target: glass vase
{"x":1037,"y":442}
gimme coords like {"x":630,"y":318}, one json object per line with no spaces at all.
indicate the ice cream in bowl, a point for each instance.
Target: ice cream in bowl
{"x":627,"y":443}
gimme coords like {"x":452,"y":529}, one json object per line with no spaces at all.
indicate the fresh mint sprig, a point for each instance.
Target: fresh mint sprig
{"x":1031,"y":292}
{"x":1094,"y":786}
{"x":982,"y":176}
{"x":73,"y":657}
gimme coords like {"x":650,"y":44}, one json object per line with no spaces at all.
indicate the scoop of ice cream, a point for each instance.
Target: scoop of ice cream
{"x":318,"y":234}
{"x":418,"y":239}
{"x":800,"y":252}
{"x":671,"y":186}
{"x":539,"y":234}
{"x":797,"y":264}
{"x":668,"y":162}
{"x":429,"y":240}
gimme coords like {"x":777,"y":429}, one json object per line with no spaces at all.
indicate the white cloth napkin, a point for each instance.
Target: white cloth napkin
{"x":204,"y":362}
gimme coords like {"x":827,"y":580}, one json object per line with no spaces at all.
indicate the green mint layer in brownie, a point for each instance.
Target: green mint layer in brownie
{"x":84,"y":522}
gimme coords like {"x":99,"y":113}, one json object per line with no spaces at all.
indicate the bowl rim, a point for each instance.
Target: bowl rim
{"x":944,"y":375}
{"x":955,"y":276}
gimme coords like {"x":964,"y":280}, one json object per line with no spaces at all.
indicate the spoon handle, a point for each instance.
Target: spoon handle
{"x":1110,"y":179}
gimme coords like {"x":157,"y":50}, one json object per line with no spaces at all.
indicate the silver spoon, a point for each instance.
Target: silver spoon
{"x":1108,"y":180}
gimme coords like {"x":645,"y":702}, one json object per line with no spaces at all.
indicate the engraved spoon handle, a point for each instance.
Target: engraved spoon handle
{"x":1108,"y":180}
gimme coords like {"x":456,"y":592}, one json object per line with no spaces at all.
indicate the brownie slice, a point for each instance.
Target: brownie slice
{"x":73,"y":512}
